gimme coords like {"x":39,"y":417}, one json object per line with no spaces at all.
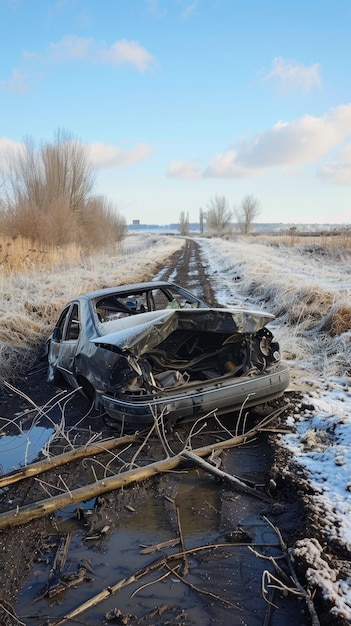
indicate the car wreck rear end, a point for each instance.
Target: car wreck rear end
{"x":185,"y":363}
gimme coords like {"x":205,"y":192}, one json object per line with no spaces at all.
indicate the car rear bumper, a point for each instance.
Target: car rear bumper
{"x":222,"y":397}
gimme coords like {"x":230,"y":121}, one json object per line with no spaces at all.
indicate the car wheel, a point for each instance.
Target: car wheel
{"x":87,"y":388}
{"x":57,"y":378}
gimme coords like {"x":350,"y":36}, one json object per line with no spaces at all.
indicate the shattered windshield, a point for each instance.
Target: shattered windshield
{"x":115,"y":306}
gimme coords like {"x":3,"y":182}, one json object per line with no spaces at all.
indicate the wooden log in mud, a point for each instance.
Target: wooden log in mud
{"x":27,"y":513}
{"x":34,"y":469}
{"x":233,"y":480}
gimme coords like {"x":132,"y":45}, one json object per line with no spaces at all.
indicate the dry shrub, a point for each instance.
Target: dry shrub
{"x":308,"y":306}
{"x":20,"y":329}
{"x":14,"y":360}
{"x":315,"y":440}
{"x":47,"y":196}
{"x":339,"y":322}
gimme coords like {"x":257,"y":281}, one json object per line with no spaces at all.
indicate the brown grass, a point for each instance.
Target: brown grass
{"x":329,"y":240}
{"x":19,"y":254}
{"x":339,"y":322}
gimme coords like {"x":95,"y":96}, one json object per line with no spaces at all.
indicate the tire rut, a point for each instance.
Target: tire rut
{"x":185,"y":268}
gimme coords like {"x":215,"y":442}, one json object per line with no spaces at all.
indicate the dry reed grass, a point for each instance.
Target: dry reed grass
{"x":338,"y":239}
{"x":18,"y":254}
{"x":339,"y":321}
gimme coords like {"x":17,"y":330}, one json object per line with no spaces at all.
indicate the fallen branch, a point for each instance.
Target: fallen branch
{"x":207,"y":467}
{"x":57,"y":568}
{"x":170,"y":543}
{"x":124,"y":582}
{"x":39,"y":509}
{"x":185,"y":568}
{"x":67,"y":457}
{"x":284,"y":583}
{"x":203,"y":591}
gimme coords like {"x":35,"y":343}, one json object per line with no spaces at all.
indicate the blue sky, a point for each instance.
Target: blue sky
{"x":182,"y":100}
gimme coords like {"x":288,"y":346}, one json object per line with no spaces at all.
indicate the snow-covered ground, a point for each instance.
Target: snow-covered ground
{"x":309,"y":292}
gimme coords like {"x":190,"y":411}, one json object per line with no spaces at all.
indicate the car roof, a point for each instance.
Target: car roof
{"x":132,"y":287}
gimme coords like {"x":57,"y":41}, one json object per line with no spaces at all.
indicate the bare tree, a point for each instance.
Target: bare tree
{"x":219,"y":214}
{"x":249,"y":210}
{"x":103,"y":225}
{"x":183,"y":225}
{"x":201,"y":220}
{"x":292,"y":232}
{"x":47,"y":195}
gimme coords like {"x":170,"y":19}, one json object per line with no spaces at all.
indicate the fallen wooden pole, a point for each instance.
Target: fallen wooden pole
{"x":224,"y":475}
{"x":67,"y":457}
{"x":36,"y":510}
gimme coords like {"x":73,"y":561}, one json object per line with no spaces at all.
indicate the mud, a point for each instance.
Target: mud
{"x":109,"y":540}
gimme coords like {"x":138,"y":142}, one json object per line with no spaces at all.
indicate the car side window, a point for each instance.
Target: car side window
{"x":73,"y":325}
{"x":59,"y":328}
{"x":160,"y":299}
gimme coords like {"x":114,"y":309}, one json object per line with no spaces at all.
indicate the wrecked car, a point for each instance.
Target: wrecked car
{"x":154,"y":350}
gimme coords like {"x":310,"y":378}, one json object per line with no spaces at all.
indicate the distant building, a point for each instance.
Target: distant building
{"x":136,"y":222}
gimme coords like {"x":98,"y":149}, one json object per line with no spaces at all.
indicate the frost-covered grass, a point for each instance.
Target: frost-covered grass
{"x":30,"y":301}
{"x":18,"y":254}
{"x":308,"y":289}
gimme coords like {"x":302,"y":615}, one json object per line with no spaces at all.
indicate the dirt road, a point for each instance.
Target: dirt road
{"x":237,"y":570}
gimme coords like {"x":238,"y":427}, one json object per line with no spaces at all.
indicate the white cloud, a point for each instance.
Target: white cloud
{"x":124,"y":51}
{"x":8,"y":148}
{"x":189,"y":9}
{"x":71,"y":47}
{"x":119,"y":53}
{"x":335,"y":172}
{"x":16,"y":83}
{"x":283,"y":145}
{"x":101,"y":155}
{"x":227,"y":165}
{"x":152,"y":7}
{"x":338,"y":171}
{"x":107,"y":156}
{"x":183,"y":169}
{"x":291,"y":74}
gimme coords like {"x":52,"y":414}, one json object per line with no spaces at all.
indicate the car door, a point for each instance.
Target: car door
{"x":64,"y":343}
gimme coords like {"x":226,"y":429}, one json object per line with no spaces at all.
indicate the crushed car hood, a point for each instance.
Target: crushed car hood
{"x":139,"y":333}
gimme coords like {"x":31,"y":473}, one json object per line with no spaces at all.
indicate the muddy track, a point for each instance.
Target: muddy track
{"x":186,"y":269}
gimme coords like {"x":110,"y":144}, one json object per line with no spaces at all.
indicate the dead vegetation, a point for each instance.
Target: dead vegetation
{"x":306,"y":287}
{"x":47,"y":196}
{"x":339,"y":321}
{"x":325,"y":239}
{"x":131,"y":473}
{"x":20,"y":254}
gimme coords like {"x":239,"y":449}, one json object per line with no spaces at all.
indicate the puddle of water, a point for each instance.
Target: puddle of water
{"x":19,"y":450}
{"x":119,"y":556}
{"x":205,"y":516}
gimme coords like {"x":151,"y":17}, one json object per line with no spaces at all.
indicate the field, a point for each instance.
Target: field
{"x":307,"y":286}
